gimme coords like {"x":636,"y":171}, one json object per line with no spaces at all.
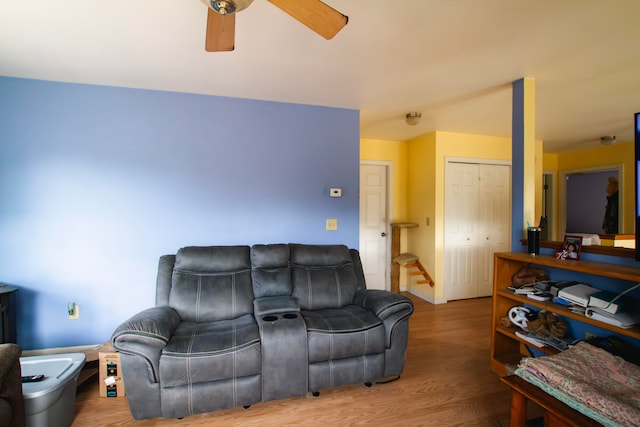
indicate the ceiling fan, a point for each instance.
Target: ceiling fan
{"x":221,"y":21}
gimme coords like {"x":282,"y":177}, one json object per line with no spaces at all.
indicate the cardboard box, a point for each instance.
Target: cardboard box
{"x":110,"y":372}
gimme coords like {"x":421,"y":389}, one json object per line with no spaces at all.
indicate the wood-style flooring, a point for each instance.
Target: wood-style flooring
{"x":446,"y":382}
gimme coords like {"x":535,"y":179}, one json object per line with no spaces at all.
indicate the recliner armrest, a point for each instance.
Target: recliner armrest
{"x":389,"y":307}
{"x":146,"y":334}
{"x":274,"y":305}
{"x":383,"y":303}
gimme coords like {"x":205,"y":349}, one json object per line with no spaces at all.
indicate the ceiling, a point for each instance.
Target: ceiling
{"x":452,"y":60}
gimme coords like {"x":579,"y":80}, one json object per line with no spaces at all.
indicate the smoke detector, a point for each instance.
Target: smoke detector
{"x":413,"y":119}
{"x":608,"y":140}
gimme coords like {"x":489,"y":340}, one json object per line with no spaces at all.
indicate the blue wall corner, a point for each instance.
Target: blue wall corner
{"x":517,"y":162}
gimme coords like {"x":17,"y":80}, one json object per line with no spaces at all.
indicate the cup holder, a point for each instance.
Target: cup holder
{"x":270,"y":318}
{"x":290,"y":316}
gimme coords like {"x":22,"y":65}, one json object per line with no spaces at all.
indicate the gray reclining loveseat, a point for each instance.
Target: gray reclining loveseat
{"x":237,"y":325}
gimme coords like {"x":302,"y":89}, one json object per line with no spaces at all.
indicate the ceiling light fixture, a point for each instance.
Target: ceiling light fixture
{"x":608,"y":140}
{"x":225,"y":7}
{"x":413,"y":119}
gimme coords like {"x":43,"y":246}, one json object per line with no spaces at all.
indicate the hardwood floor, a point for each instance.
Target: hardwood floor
{"x":446,"y":382}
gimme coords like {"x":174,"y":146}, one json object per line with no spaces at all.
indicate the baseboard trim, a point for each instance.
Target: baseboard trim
{"x":426,"y":297}
{"x":87,"y":349}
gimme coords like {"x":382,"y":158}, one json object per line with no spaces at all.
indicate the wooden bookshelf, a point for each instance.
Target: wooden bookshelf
{"x":506,"y":347}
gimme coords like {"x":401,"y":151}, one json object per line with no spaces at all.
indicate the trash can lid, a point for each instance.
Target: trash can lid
{"x":57,"y":369}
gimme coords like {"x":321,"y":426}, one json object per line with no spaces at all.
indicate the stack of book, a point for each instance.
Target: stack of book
{"x":612,"y":308}
{"x":551,"y":341}
{"x":539,"y":291}
{"x":605,"y":306}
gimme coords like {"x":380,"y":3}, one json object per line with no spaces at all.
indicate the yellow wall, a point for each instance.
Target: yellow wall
{"x":550,"y":161}
{"x":619,"y":154}
{"x":423,"y":174}
{"x":427,"y":155}
{"x":418,"y":186}
{"x":537,"y":185}
{"x":396,"y":153}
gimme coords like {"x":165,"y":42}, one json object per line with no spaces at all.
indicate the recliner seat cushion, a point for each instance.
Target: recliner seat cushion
{"x":201,"y":352}
{"x":341,"y":333}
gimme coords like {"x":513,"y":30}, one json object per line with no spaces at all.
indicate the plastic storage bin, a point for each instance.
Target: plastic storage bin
{"x":51,"y":402}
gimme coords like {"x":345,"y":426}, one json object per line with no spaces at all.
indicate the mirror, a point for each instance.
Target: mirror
{"x":589,"y":168}
{"x":589,"y":206}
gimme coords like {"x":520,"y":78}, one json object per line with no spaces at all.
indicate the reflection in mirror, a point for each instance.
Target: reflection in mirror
{"x":590,"y":207}
{"x":608,"y":159}
{"x":564,"y":169}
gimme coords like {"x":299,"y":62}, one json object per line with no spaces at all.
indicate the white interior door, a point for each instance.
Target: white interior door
{"x":461,"y":200}
{"x":374,"y":225}
{"x":493,"y":222}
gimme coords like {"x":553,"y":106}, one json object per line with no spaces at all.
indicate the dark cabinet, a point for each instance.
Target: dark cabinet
{"x":7,"y":314}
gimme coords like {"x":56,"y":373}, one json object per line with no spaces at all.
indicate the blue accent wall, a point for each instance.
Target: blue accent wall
{"x":97,"y":182}
{"x":517,"y":165}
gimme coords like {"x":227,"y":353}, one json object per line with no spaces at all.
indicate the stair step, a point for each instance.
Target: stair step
{"x":421,"y":271}
{"x":405,"y":259}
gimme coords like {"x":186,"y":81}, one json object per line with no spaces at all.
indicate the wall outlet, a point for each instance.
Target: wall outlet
{"x":332,"y":224}
{"x":335,"y":192}
{"x":74,"y":311}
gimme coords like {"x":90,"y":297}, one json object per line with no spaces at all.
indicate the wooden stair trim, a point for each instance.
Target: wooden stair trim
{"x":422,"y":272}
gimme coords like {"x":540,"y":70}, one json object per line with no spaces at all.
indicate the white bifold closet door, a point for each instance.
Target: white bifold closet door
{"x":477,"y":224}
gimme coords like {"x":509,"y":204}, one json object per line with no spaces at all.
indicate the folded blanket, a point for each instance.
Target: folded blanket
{"x":591,"y":380}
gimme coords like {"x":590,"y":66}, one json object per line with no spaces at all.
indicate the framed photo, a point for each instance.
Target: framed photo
{"x":571,"y":247}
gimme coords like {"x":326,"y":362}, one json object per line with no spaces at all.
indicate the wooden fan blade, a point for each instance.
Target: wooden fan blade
{"x":316,"y":15}
{"x":220,"y":32}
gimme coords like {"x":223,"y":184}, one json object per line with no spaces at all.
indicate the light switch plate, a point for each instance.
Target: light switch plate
{"x":335,"y":192}
{"x":332,"y":224}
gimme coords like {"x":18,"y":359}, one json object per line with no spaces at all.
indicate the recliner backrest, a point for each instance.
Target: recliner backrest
{"x":211,"y":283}
{"x":323,"y":276}
{"x":270,"y":270}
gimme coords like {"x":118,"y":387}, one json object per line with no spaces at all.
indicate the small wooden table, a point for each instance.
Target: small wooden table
{"x":556,"y":413}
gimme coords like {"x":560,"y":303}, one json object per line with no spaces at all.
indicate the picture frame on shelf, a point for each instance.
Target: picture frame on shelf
{"x":571,"y":247}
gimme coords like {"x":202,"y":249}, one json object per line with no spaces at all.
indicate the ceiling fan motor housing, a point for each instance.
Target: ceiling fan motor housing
{"x":225,"y":7}
{"x":314,"y":14}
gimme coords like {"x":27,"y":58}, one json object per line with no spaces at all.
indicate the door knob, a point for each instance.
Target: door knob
{"x":383,"y":234}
